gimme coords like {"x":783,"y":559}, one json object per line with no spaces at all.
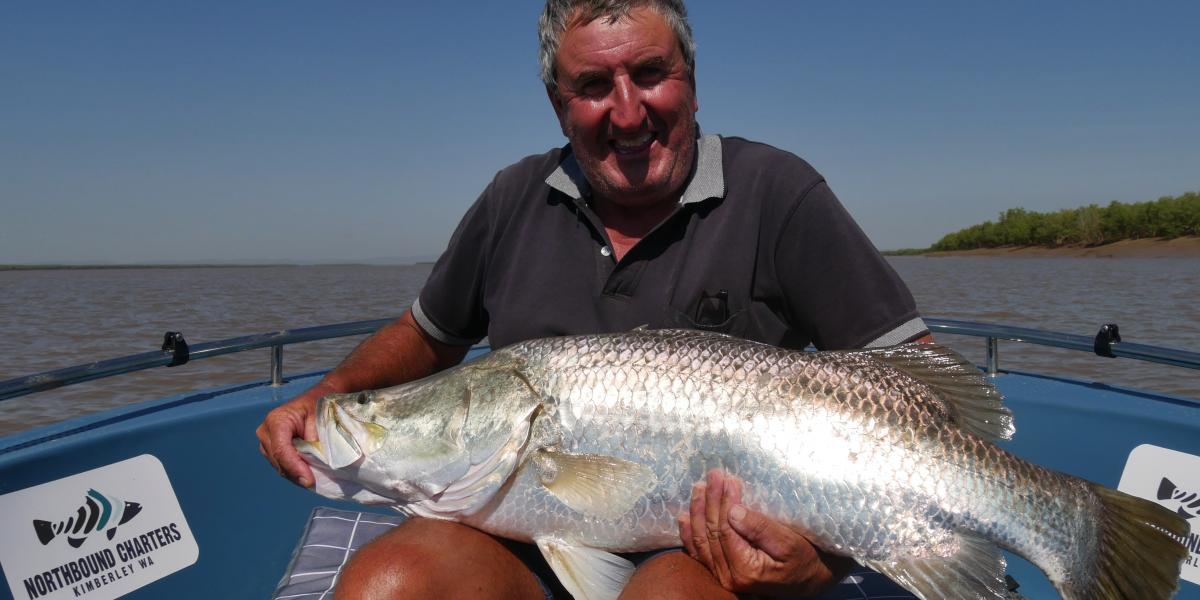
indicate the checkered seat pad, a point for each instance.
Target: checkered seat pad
{"x":328,"y":541}
{"x":332,"y":536}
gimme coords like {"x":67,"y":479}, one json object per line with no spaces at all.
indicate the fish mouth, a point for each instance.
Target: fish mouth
{"x":336,"y":446}
{"x":342,"y":439}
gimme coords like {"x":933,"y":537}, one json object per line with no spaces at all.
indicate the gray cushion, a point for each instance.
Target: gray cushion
{"x":328,"y":541}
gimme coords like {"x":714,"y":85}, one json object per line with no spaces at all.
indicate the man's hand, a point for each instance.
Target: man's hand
{"x":749,"y":552}
{"x":296,"y":418}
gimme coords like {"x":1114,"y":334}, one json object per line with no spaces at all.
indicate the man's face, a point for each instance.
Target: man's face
{"x":627,"y":103}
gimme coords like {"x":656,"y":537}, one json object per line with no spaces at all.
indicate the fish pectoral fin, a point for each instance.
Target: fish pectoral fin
{"x":592,"y":484}
{"x":587,"y":573}
{"x":975,"y":570}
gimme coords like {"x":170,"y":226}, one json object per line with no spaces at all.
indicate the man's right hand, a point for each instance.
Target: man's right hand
{"x":296,"y":418}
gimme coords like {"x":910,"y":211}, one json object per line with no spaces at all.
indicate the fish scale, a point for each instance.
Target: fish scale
{"x":883,"y":455}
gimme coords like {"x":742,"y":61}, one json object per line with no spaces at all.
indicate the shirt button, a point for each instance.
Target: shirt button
{"x":605,"y":251}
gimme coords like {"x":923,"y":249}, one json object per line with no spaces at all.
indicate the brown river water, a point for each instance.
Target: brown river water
{"x":58,"y":318}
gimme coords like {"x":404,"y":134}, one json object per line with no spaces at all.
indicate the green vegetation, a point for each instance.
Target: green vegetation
{"x":1092,"y":225}
{"x":904,"y":252}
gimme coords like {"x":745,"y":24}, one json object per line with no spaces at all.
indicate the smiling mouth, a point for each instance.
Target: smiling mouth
{"x":632,"y":145}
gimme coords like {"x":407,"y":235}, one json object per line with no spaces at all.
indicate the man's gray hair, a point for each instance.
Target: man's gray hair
{"x":558,"y":14}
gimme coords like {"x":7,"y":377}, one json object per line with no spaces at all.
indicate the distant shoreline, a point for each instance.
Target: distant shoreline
{"x":1181,"y":247}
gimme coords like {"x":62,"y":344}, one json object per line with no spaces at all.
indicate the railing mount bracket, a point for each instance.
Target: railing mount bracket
{"x":1107,"y":336}
{"x":177,"y":347}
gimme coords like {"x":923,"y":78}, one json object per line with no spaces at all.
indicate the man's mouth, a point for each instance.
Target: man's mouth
{"x":633,"y":145}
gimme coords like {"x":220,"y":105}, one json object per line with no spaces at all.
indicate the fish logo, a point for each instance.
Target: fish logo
{"x":1189,"y":502}
{"x":97,"y":513}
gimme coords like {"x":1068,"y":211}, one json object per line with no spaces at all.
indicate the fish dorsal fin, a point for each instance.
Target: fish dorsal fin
{"x":974,"y":570}
{"x":587,"y":573}
{"x":974,"y":403}
{"x":595,"y":485}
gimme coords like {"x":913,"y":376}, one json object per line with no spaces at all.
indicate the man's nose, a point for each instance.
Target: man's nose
{"x":628,"y":112}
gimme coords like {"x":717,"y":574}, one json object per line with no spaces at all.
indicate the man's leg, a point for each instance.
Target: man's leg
{"x":674,"y":576}
{"x":424,"y":558}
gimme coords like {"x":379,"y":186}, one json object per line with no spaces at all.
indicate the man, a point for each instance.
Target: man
{"x":639,"y":221}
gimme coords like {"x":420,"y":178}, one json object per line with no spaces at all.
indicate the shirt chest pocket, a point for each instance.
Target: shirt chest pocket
{"x":716,"y":310}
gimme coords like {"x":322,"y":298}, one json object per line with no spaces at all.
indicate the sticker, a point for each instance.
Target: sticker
{"x":97,"y":535}
{"x":1172,"y":479}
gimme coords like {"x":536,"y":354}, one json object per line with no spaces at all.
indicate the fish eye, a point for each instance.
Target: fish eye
{"x":361,"y":399}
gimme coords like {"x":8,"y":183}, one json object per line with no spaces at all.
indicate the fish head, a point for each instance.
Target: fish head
{"x":408,"y":444}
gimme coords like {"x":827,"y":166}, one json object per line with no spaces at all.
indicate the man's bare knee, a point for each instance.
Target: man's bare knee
{"x":674,"y":576}
{"x":397,"y":564}
{"x":423,"y":558}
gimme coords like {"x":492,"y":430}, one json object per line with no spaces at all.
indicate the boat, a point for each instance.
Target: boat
{"x":170,"y":498}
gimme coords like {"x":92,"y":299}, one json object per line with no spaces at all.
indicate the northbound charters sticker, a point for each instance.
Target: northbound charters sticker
{"x":1172,"y":479}
{"x":98,"y":535}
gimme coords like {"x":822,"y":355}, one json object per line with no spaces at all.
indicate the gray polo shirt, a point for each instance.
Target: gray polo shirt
{"x":759,"y":248}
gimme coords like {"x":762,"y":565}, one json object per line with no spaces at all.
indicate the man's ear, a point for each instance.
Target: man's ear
{"x":560,"y":108}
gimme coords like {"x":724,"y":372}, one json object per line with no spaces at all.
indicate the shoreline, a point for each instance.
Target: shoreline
{"x":1182,"y":247}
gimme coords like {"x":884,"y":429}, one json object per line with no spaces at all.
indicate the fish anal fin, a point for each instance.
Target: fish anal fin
{"x":111,"y":533}
{"x":587,"y":573}
{"x":974,"y":568}
{"x":595,"y":485}
{"x":76,"y":542}
{"x":974,"y":403}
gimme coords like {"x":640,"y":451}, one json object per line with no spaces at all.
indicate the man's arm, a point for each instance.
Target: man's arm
{"x":399,"y":352}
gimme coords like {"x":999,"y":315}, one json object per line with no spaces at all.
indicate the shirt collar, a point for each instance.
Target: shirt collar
{"x":707,"y":182}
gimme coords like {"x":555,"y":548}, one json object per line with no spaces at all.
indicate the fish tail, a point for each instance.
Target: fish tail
{"x":45,"y":531}
{"x":1139,"y":551}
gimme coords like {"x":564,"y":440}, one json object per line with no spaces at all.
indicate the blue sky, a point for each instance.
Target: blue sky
{"x":304,"y":131}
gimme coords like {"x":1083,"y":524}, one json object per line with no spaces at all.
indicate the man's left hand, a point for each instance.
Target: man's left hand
{"x":749,"y":552}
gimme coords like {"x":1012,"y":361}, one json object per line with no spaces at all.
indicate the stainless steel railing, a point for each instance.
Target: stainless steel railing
{"x":171,"y":355}
{"x":992,"y":333}
{"x":176,"y":352}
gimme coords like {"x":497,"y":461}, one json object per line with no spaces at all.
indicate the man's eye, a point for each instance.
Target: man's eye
{"x":649,"y":76}
{"x":594,"y":87}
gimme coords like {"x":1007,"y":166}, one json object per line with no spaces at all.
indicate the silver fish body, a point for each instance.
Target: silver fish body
{"x":591,"y":444}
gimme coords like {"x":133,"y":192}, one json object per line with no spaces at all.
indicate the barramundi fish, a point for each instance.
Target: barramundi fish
{"x":589,"y":445}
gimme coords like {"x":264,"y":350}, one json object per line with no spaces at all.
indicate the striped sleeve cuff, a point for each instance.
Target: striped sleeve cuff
{"x":436,"y":332}
{"x":908,"y":331}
